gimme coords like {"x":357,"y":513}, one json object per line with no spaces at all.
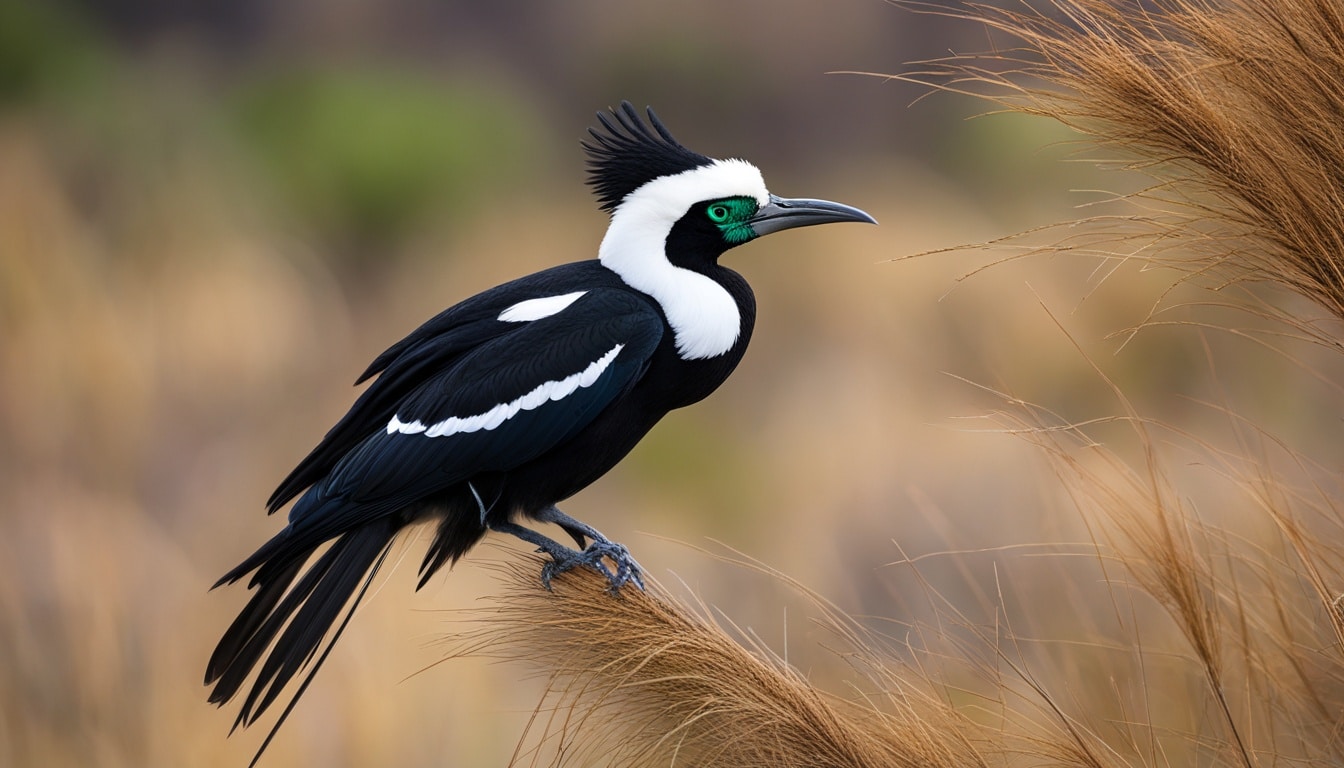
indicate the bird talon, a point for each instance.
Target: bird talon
{"x":547,"y":573}
{"x":627,"y":569}
{"x":593,"y":557}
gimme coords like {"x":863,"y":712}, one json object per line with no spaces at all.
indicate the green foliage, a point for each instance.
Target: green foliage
{"x":364,"y":155}
{"x":43,"y":46}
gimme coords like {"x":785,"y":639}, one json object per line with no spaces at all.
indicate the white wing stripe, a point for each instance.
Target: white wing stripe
{"x":536,"y":309}
{"x":546,"y":392}
{"x":397,"y":425}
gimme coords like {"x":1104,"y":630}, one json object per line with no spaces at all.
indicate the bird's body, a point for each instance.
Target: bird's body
{"x":515,"y":399}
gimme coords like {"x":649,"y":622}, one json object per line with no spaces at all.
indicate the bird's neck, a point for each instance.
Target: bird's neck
{"x":706,"y":318}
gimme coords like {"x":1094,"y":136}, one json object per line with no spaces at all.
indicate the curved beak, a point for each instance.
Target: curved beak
{"x":785,"y":213}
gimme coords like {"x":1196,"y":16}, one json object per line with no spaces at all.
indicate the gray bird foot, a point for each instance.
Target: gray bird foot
{"x":594,"y":556}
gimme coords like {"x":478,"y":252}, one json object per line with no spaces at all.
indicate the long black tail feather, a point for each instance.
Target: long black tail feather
{"x":279,"y":721}
{"x":299,"y":610}
{"x":222,"y":666}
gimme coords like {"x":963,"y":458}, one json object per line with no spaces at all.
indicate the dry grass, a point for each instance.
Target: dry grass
{"x":1235,"y":109}
{"x":1252,"y":591}
{"x":1232,"y":108}
{"x":643,"y":679}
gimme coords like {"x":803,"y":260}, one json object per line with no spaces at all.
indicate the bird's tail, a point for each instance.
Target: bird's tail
{"x":291,"y":613}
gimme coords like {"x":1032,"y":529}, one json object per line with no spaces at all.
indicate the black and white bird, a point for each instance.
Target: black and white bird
{"x":515,"y":399}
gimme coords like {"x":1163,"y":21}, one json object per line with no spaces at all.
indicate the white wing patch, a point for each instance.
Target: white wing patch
{"x":535,"y":309}
{"x":550,"y":391}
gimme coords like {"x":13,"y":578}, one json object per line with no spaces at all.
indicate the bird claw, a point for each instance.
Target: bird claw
{"x":593,"y":556}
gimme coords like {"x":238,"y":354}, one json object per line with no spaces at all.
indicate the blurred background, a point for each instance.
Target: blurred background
{"x":213,"y":215}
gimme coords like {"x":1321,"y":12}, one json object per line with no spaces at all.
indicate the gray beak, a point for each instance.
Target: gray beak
{"x":784,"y":213}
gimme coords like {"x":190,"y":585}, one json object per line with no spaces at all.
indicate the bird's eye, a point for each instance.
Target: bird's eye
{"x":719,"y":213}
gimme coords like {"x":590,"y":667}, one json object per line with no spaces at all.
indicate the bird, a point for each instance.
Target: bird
{"x":509,"y":402}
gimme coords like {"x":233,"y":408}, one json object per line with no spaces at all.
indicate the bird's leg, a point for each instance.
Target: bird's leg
{"x":578,"y":530}
{"x":559,"y":552}
{"x":627,"y":570}
{"x":479,"y":503}
{"x":562,"y":558}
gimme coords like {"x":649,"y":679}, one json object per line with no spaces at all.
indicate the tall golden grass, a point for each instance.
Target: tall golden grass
{"x":644,"y":679}
{"x":1225,"y":637}
{"x":1231,"y":108}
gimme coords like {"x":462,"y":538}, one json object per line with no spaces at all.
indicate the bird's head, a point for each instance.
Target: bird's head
{"x":666,"y":200}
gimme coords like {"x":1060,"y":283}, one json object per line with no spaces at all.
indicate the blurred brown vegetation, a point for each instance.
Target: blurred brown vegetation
{"x":212,"y":217}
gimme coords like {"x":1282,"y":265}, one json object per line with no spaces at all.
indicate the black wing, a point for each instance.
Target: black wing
{"x":433,"y":347}
{"x":496,"y":407}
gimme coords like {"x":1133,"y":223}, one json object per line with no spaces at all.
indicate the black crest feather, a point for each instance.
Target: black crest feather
{"x":627,"y":153}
